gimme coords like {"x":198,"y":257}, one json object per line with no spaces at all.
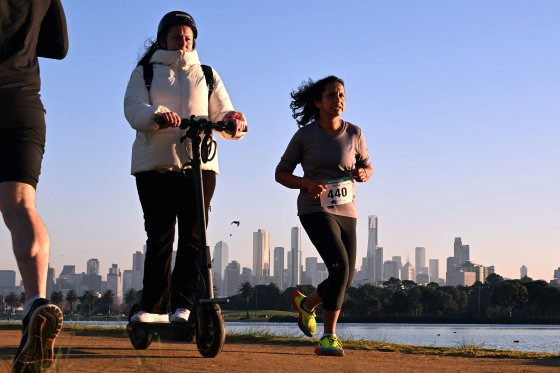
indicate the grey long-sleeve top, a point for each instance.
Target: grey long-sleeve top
{"x":323,"y":158}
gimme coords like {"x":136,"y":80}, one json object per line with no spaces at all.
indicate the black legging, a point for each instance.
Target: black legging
{"x":166,"y":198}
{"x":334,"y":237}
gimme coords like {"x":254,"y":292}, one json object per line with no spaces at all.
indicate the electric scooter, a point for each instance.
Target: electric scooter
{"x":205,"y":323}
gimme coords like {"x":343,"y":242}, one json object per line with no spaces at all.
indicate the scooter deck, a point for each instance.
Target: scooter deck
{"x":172,"y":331}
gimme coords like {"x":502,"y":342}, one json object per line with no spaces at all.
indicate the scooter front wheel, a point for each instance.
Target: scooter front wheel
{"x":210,"y":330}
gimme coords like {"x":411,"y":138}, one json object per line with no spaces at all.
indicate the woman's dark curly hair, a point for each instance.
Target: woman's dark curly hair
{"x":303,"y":99}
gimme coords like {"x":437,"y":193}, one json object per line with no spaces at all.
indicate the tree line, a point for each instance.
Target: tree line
{"x":395,"y":300}
{"x":88,"y":304}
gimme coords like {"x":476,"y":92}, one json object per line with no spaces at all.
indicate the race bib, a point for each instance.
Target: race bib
{"x":338,"y":192}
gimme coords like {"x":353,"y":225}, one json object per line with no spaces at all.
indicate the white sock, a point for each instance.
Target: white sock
{"x":28,"y":304}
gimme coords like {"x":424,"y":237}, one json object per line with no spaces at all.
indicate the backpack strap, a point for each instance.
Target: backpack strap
{"x":148,"y":71}
{"x":209,"y":76}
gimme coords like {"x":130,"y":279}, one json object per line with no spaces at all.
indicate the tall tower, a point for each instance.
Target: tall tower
{"x":221,"y":259}
{"x":261,"y":256}
{"x":311,"y":270}
{"x":465,"y":253}
{"x":378,"y":265}
{"x":371,"y":247}
{"x":295,"y":257}
{"x":92,"y":267}
{"x":279,"y":267}
{"x":523,"y":271}
{"x":398,"y":260}
{"x":138,"y":261}
{"x":434,"y":269}
{"x":420,"y":259}
{"x":232,"y":274}
{"x":137,"y":271}
{"x":457,"y":253}
{"x":114,"y":282}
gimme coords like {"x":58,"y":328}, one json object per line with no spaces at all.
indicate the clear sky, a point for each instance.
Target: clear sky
{"x":458,"y":100}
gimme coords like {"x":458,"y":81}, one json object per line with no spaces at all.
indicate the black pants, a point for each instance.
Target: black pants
{"x":168,"y":198}
{"x":334,"y":237}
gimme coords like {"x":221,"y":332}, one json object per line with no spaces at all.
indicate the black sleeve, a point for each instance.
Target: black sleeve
{"x":53,"y":37}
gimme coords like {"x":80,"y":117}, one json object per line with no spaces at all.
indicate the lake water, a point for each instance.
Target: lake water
{"x":539,"y":338}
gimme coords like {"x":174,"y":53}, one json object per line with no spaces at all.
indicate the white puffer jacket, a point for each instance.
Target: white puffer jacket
{"x":178,"y":85}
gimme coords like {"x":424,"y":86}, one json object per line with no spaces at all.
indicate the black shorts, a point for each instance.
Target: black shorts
{"x":22,"y":139}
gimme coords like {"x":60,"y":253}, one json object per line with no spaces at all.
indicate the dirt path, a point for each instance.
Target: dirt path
{"x":112,"y":352}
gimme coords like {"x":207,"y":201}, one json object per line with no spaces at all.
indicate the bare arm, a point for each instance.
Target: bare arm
{"x":314,"y":188}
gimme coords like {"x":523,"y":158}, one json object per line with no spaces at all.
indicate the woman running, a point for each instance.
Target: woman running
{"x":333,"y":154}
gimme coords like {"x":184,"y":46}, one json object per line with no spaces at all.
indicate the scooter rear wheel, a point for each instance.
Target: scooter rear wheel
{"x":139,"y":337}
{"x":210,"y":341}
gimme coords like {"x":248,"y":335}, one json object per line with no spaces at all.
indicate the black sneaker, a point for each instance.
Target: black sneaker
{"x":40,"y":328}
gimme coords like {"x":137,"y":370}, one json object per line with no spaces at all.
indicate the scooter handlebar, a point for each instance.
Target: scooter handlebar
{"x":202,"y":124}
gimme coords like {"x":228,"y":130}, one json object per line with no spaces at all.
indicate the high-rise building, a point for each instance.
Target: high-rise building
{"x":114,"y":282}
{"x":246,"y":275}
{"x":398,"y":260}
{"x":460,"y":277}
{"x":279,"y":267}
{"x":220,"y":260}
{"x":378,"y":269}
{"x":407,"y":272}
{"x":420,"y":258}
{"x":451,"y":264}
{"x":68,"y":279}
{"x":311,"y":270}
{"x":465,"y":253}
{"x":232,"y":278}
{"x":137,"y":274}
{"x":7,"y":278}
{"x":322,"y":272}
{"x":138,"y":261}
{"x":461,"y":253}
{"x":433,"y":270}
{"x":523,"y":271}
{"x":261,"y":256}
{"x":50,"y":281}
{"x":457,"y":253}
{"x":390,"y":269}
{"x":127,"y":280}
{"x":294,"y":257}
{"x":371,"y":247}
{"x":93,"y":267}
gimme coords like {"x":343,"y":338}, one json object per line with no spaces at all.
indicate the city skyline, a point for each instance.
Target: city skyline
{"x":268,"y":271}
{"x":457,"y":102}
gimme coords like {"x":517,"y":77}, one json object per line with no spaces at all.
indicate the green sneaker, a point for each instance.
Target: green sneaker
{"x":329,"y":346}
{"x":306,"y":320}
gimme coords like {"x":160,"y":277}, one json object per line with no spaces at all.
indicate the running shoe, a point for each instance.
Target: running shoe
{"x":329,"y":346}
{"x":41,"y":326}
{"x":306,"y":320}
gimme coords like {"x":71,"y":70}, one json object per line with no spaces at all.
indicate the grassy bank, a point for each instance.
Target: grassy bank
{"x":262,"y":337}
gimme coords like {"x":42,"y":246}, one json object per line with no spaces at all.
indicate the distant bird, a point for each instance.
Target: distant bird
{"x":455,"y":332}
{"x":516,"y":341}
{"x":438,"y":334}
{"x":235,"y":222}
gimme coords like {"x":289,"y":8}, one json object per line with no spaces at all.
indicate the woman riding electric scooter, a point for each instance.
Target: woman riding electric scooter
{"x":176,"y":87}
